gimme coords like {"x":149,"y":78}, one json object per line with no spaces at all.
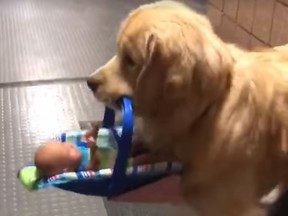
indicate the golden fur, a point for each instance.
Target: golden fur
{"x":220,"y":110}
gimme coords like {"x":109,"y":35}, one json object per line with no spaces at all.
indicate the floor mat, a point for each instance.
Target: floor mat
{"x":56,"y":39}
{"x":29,"y":115}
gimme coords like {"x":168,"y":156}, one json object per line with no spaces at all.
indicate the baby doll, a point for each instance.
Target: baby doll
{"x":56,"y":157}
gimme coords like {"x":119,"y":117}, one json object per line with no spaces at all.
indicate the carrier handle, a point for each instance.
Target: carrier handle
{"x":117,"y":184}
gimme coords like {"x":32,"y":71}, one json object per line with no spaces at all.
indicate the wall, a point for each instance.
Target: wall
{"x":250,"y":23}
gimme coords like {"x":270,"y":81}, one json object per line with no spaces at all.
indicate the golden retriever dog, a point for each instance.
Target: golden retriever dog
{"x":220,"y":110}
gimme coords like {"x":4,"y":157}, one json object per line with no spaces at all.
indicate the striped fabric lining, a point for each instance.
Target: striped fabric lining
{"x":159,"y":168}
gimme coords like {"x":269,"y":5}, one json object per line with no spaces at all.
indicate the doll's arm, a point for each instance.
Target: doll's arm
{"x":95,"y":159}
{"x":95,"y":156}
{"x":92,"y":133}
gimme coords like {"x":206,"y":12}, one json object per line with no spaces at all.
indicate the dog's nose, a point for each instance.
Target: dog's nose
{"x":92,"y":85}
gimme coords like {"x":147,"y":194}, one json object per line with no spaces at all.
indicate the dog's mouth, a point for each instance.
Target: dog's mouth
{"x":111,"y":104}
{"x":115,"y":105}
{"x":108,"y":102}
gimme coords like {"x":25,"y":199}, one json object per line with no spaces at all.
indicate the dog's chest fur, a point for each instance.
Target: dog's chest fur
{"x":247,"y":129}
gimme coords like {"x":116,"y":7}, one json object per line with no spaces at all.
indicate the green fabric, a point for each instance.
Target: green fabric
{"x":29,"y":176}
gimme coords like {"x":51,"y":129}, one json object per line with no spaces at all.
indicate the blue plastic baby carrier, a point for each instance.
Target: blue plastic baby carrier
{"x":106,"y":182}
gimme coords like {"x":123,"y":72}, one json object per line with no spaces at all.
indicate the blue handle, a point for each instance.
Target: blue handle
{"x":124,"y":143}
{"x":109,"y":118}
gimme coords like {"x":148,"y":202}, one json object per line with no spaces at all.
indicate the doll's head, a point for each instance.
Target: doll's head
{"x":56,"y":157}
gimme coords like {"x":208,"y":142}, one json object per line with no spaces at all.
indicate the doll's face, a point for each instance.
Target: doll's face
{"x":55,"y":157}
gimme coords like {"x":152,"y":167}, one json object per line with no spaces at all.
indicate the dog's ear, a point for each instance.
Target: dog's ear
{"x":177,"y":82}
{"x":151,"y":50}
{"x":165,"y":74}
{"x":149,"y":83}
{"x":212,"y":71}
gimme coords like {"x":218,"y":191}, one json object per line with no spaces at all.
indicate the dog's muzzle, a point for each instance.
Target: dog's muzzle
{"x":92,"y":84}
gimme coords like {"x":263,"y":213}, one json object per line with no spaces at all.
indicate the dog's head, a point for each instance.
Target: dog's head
{"x":166,"y":55}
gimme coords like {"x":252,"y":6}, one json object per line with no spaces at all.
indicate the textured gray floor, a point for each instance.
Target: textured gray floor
{"x":29,"y":115}
{"x":52,"y":39}
{"x":47,"y":48}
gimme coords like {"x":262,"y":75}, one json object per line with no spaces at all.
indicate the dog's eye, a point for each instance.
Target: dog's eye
{"x":127,"y":60}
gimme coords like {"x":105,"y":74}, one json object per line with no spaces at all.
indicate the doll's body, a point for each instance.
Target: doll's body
{"x":56,"y":157}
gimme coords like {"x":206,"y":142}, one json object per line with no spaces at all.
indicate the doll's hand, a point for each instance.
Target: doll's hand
{"x":91,"y":134}
{"x":95,"y":160}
